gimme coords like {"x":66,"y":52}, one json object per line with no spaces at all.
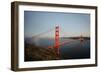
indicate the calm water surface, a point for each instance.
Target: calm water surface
{"x":73,"y":50}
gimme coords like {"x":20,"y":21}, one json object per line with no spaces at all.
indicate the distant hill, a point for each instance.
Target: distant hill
{"x":75,"y":37}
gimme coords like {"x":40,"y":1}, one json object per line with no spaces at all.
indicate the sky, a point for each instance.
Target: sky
{"x":70,"y":24}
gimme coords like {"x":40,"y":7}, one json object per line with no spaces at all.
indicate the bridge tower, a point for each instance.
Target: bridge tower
{"x":57,"y":39}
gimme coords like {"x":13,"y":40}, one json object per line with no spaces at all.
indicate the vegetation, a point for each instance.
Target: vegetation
{"x":35,"y":53}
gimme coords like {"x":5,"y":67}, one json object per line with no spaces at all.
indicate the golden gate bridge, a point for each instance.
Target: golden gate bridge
{"x":57,"y":42}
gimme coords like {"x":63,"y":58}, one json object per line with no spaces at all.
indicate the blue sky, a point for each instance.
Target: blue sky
{"x":71,"y":24}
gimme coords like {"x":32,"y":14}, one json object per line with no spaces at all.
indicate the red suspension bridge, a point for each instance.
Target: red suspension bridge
{"x":57,"y":42}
